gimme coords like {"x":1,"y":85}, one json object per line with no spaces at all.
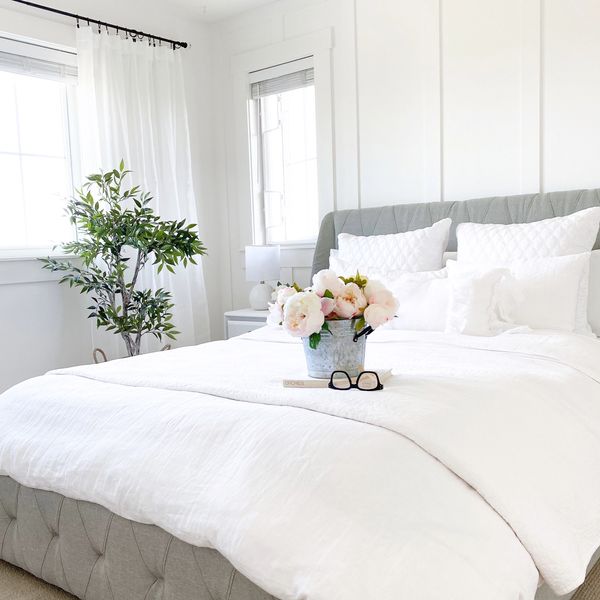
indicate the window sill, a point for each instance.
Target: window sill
{"x":15,"y":270}
{"x":285,"y":246}
{"x":32,"y":254}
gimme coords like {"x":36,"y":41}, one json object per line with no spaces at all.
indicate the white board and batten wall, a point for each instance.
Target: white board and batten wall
{"x":430,"y":100}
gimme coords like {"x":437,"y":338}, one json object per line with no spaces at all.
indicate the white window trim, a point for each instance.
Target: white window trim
{"x":58,"y":53}
{"x":318,"y":45}
{"x":300,"y":64}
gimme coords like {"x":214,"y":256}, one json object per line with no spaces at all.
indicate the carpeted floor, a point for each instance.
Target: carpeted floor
{"x":590,"y":590}
{"x":19,"y":585}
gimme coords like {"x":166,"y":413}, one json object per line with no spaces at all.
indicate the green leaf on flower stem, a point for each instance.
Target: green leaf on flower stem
{"x":313,"y":340}
{"x":296,"y":287}
{"x":358,"y":279}
{"x":327,"y":294}
{"x":360,"y":323}
{"x":325,"y":327}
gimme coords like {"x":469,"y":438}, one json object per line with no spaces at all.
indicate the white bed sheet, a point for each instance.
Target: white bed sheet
{"x":479,"y":462}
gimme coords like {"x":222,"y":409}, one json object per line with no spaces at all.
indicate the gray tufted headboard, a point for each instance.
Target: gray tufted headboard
{"x":406,"y":217}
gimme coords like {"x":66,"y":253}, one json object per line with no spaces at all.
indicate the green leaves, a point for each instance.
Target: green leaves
{"x":360,"y":324}
{"x":313,"y":340}
{"x":358,"y":279}
{"x":118,"y":234}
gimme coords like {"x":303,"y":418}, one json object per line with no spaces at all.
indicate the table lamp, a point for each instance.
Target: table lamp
{"x":262,"y":264}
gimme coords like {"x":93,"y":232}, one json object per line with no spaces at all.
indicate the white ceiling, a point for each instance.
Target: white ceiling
{"x":214,"y":10}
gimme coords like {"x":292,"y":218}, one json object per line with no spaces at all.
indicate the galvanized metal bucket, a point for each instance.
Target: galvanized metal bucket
{"x":336,"y":351}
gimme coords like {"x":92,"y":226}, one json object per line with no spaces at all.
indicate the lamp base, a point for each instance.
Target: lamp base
{"x":260,"y":296}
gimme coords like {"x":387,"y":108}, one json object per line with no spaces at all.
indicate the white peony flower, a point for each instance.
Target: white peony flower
{"x":373,"y":286}
{"x":385,"y":298}
{"x":283,"y":293}
{"x":302,"y":314}
{"x":326,"y":279}
{"x":280,"y":297}
{"x":275,"y":316}
{"x":350,"y":302}
{"x":377,"y":314}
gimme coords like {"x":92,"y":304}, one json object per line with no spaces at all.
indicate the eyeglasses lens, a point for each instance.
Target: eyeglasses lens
{"x":367,"y":382}
{"x":341,"y":381}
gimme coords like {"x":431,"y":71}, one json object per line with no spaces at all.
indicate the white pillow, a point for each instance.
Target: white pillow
{"x":419,"y":250}
{"x":422,"y":300}
{"x":594,"y":292}
{"x":474,"y":308}
{"x":543,"y":293}
{"x":500,"y":244}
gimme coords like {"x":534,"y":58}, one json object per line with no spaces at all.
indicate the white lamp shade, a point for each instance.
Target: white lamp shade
{"x":262,"y":263}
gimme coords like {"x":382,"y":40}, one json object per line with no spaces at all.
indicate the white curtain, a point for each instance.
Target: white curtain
{"x":132,"y":106}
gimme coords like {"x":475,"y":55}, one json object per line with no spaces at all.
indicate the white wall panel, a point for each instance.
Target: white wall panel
{"x":398,"y":100}
{"x":571,"y":95}
{"x":490,"y":82}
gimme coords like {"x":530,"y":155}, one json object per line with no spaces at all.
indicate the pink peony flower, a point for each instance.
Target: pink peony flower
{"x":327,"y":306}
{"x":302,"y":314}
{"x":326,"y":279}
{"x":350,"y":302}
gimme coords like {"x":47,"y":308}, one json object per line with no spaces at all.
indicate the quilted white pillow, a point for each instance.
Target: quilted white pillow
{"x":419,"y":250}
{"x":500,"y":244}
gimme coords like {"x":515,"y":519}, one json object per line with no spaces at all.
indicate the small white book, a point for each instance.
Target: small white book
{"x":310,"y":382}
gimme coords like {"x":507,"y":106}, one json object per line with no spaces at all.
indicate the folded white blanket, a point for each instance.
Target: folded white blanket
{"x":479,"y":456}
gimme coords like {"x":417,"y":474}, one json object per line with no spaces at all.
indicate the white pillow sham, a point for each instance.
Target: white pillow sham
{"x":474,"y":307}
{"x":543,"y":293}
{"x":594,"y":292}
{"x":419,"y":250}
{"x":422,"y":296}
{"x":422,"y":300}
{"x":498,"y":245}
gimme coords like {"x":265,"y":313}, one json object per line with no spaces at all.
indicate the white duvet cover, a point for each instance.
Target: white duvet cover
{"x":475,"y":468}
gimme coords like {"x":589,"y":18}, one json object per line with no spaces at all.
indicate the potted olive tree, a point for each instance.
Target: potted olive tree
{"x":118,"y":236}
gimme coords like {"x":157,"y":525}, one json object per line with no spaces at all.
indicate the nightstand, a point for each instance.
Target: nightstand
{"x":243,"y":321}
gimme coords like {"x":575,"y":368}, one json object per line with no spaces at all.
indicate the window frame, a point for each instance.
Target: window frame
{"x":318,"y":45}
{"x":259,"y":212}
{"x":35,"y":49}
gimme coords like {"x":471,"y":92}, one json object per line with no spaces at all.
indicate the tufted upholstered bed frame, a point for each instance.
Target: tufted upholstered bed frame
{"x":406,"y":217}
{"x":97,"y":555}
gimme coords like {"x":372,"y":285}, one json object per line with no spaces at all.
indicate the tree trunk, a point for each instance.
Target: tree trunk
{"x":133,"y":349}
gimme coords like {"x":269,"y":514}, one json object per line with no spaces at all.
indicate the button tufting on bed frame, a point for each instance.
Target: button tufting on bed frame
{"x":96,"y":555}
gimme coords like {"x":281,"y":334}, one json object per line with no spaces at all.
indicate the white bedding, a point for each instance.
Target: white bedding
{"x":479,"y":462}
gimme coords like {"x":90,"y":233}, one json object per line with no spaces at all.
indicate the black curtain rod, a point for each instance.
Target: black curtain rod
{"x":135,"y":34}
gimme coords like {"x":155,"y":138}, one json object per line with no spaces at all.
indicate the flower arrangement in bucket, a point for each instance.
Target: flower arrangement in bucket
{"x":333,"y":317}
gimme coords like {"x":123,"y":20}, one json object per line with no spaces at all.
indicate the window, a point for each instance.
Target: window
{"x":37,"y":112}
{"x":284,"y":153}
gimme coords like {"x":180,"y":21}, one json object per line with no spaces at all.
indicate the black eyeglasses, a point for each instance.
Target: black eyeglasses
{"x":367,"y":381}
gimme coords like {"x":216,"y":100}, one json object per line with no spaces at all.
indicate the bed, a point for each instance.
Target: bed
{"x":192,"y":474}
